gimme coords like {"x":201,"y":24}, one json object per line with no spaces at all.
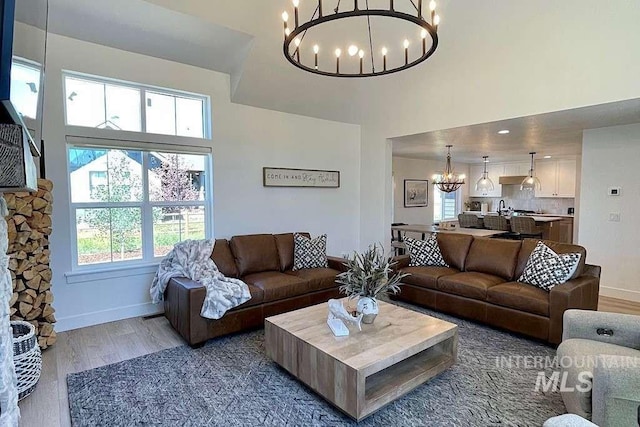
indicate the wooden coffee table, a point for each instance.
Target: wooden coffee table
{"x":361,"y":373}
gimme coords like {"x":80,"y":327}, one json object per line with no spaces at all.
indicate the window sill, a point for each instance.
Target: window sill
{"x":80,"y":276}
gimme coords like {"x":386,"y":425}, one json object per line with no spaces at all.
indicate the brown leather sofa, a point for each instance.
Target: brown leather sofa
{"x":264,"y":262}
{"x":480,"y":285}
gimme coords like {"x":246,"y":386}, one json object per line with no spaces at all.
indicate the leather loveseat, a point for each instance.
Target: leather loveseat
{"x":264,"y":262}
{"x":480,"y":285}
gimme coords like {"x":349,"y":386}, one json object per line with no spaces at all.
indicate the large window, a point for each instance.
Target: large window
{"x":25,"y":87}
{"x":133,"y":205}
{"x":445,"y":206}
{"x":105,"y":104}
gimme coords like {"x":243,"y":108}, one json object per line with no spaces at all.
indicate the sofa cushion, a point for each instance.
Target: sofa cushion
{"x":284,"y":243}
{"x":496,"y":257}
{"x":521,"y":297}
{"x":469,"y":284}
{"x":454,"y":248}
{"x":255,"y":253}
{"x":223,"y":258}
{"x":425,"y":252}
{"x":318,"y":278}
{"x":546,"y":269}
{"x":528,"y":245}
{"x":426,"y":277}
{"x":277,"y":285}
{"x":309,"y":253}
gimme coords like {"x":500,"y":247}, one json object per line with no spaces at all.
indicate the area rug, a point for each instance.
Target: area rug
{"x":230,"y":382}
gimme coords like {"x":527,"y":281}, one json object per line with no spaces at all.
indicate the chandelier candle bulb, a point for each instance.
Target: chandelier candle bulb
{"x":316,"y":49}
{"x":436,"y":22}
{"x":296,"y":3}
{"x":338,"y":53}
{"x":384,"y":58}
{"x":353,"y":49}
{"x":406,"y":51}
{"x":424,"y":41}
{"x":432,"y":7}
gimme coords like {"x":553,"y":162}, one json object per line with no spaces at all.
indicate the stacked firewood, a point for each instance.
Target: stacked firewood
{"x":29,"y":227}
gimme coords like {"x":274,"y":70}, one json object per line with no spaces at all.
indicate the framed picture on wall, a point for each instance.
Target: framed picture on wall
{"x":416,"y":193}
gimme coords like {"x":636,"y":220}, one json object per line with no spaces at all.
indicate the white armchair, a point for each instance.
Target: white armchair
{"x":600,"y":355}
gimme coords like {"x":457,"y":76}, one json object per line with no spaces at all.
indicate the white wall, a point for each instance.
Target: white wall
{"x":244,"y":140}
{"x":610,"y":157}
{"x":405,"y":168}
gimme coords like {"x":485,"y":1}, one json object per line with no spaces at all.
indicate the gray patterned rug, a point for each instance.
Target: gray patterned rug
{"x":230,"y":381}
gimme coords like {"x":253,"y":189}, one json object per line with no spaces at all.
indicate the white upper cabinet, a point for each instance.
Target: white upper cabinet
{"x":495,"y":171}
{"x":557,"y":177}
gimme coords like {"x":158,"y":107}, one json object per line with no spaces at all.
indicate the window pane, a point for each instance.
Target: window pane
{"x":94,"y":236}
{"x":161,"y":114}
{"x":109,"y":235}
{"x":101,"y":175}
{"x":189,"y":117}
{"x":176,"y":177}
{"x":123,"y":108}
{"x":85,"y":103}
{"x":25,"y":86}
{"x":175,"y":224}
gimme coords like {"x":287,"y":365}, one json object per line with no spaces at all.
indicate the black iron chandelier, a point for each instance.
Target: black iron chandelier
{"x":377,"y":61}
{"x":448,"y":180}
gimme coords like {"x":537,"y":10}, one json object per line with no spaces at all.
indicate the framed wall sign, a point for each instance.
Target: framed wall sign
{"x":416,"y":193}
{"x":286,"y":177}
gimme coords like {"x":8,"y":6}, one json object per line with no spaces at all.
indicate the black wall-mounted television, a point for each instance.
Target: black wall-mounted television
{"x":8,"y":112}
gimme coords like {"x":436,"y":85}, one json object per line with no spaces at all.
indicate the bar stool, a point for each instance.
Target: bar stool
{"x":496,"y":222}
{"x":525,"y":227}
{"x":470,"y":221}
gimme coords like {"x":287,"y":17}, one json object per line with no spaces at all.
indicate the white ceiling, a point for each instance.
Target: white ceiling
{"x":244,"y":39}
{"x":551,"y":134}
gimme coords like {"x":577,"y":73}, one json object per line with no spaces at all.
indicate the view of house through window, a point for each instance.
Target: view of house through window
{"x":135,"y":205}
{"x":445,"y":205}
{"x":104,"y":104}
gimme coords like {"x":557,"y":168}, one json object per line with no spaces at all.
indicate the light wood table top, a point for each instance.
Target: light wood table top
{"x":422,"y":228}
{"x":366,"y":370}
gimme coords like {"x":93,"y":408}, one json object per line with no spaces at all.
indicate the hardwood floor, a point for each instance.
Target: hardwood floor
{"x":100,"y":345}
{"x":89,"y":348}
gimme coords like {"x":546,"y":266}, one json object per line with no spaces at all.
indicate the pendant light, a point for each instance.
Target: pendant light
{"x":485,"y":184}
{"x":531,"y":182}
{"x":448,"y":181}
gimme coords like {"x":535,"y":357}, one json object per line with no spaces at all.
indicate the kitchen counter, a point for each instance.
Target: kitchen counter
{"x":536,"y":217}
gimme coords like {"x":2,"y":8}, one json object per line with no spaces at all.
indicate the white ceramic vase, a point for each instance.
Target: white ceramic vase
{"x":368,"y":307}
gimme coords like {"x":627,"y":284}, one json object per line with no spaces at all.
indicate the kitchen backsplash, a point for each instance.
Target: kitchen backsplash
{"x":518,"y":199}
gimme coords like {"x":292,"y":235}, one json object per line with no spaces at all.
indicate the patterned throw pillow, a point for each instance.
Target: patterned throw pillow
{"x":309,"y":253}
{"x":547,"y":269}
{"x":425,"y":252}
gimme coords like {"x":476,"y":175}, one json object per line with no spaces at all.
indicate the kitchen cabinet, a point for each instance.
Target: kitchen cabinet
{"x":559,"y":231}
{"x":557,"y":178}
{"x":495,"y":171}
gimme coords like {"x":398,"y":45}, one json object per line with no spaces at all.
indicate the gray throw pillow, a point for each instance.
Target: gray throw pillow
{"x":546,"y":269}
{"x":425,"y":252}
{"x":309,"y":253}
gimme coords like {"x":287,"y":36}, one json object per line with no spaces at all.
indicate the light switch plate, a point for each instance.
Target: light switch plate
{"x":614,"y":217}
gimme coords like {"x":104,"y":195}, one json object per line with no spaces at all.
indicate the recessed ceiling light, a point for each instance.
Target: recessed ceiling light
{"x":547,"y":157}
{"x":503,"y":132}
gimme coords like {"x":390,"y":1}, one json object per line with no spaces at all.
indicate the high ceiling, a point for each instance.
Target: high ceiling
{"x":496,"y":60}
{"x":550,"y":134}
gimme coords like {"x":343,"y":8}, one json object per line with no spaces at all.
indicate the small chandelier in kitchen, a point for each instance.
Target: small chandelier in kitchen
{"x":485,"y":184}
{"x":448,"y":181}
{"x":368,"y":60}
{"x":531,"y":182}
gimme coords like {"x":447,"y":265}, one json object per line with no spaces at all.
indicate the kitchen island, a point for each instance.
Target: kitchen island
{"x":558,"y":228}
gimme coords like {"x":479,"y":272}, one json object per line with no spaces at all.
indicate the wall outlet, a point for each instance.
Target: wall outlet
{"x":614,"y":217}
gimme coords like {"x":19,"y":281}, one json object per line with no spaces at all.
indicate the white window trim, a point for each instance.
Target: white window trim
{"x":143,"y":88}
{"x":32,"y":123}
{"x":96,"y":271}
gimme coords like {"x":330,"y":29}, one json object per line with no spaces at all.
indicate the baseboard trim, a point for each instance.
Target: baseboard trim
{"x":620,"y":293}
{"x":106,"y":316}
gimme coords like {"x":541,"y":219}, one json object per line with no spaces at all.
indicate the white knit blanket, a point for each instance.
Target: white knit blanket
{"x":192,"y":259}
